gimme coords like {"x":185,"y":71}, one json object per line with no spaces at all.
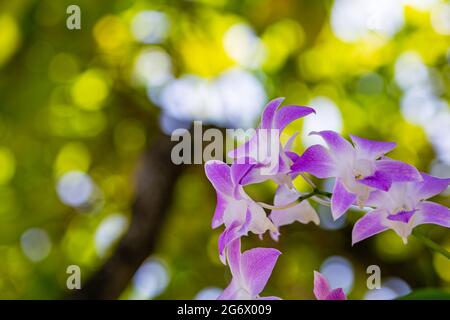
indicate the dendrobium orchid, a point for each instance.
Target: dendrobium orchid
{"x":235,"y":209}
{"x":358,"y":169}
{"x":394,"y":192}
{"x":402,"y":208}
{"x":323,"y":291}
{"x":271,"y":159}
{"x":250,"y":270}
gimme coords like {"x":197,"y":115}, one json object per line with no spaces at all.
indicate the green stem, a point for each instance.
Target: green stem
{"x":431,"y":244}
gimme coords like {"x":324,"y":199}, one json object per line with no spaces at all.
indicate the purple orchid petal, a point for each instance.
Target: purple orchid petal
{"x":337,"y":294}
{"x":323,"y":291}
{"x":233,"y":232}
{"x":290,"y":142}
{"x":288,"y":114}
{"x":239,"y":171}
{"x":370,"y":224}
{"x":338,"y":145}
{"x":234,"y":258}
{"x":255,"y":176}
{"x":315,"y":160}
{"x":379,"y":180}
{"x":256,"y":267}
{"x":402,"y":216}
{"x":341,"y":200}
{"x":398,"y":171}
{"x":267,"y":118}
{"x":371,"y":149}
{"x":430,"y":186}
{"x":321,"y":286}
{"x":221,"y":205}
{"x":433,"y":213}
{"x":292,"y":156}
{"x":218,"y":174}
{"x":246,"y":150}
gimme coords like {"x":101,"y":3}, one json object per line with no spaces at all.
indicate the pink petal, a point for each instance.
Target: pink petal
{"x":315,"y":160}
{"x":256,"y":267}
{"x":430,"y":186}
{"x":379,"y":180}
{"x":234,"y":258}
{"x":221,"y":205}
{"x":219,"y":175}
{"x":321,"y":286}
{"x":288,"y":114}
{"x":370,"y":224}
{"x":341,"y":200}
{"x":290,"y":142}
{"x":337,"y":294}
{"x":371,"y":149}
{"x":398,"y":171}
{"x":233,"y":232}
{"x":402,"y":216}
{"x":433,"y":213}
{"x":338,"y":145}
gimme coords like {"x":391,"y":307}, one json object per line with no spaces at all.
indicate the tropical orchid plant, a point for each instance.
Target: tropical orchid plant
{"x":392,"y":193}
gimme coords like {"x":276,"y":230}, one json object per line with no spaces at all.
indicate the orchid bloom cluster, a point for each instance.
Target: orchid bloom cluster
{"x":394,"y":195}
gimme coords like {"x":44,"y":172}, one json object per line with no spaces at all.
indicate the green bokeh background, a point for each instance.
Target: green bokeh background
{"x":68,"y":102}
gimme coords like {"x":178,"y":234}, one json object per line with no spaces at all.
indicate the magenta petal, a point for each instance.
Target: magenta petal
{"x":246,"y":150}
{"x":234,"y":258}
{"x":337,"y":144}
{"x":402,"y":216}
{"x":371,"y":149}
{"x":233,"y":232}
{"x":321,"y":287}
{"x":336,"y":294}
{"x":370,"y":224}
{"x":256,"y":267}
{"x":238,"y":174}
{"x":433,"y":213}
{"x":379,"y":180}
{"x":219,"y":175}
{"x":288,"y":114}
{"x":293,"y":156}
{"x":315,"y":160}
{"x":218,"y":213}
{"x":430,"y":186}
{"x":268,"y":115}
{"x":341,"y":200}
{"x":397,"y":170}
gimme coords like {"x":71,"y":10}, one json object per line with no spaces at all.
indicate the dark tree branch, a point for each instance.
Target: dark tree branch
{"x":155,"y":181}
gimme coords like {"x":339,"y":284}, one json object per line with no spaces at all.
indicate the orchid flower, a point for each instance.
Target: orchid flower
{"x":264,"y":148}
{"x":359,"y":168}
{"x":302,"y":212}
{"x":235,"y":208}
{"x":323,"y":291}
{"x":250,"y":270}
{"x":402,"y":208}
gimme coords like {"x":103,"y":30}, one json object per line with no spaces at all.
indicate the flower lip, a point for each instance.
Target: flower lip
{"x":402,"y":216}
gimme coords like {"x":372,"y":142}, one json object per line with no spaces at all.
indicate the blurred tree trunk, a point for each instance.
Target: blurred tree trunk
{"x":155,"y":181}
